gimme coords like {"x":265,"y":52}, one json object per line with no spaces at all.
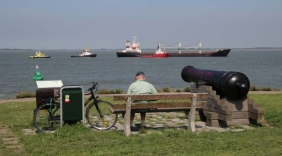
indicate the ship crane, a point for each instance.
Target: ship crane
{"x":189,"y":46}
{"x":170,"y":46}
{"x":200,"y":47}
{"x":179,"y":46}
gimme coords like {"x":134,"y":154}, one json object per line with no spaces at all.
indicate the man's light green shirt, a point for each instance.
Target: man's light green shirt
{"x":141,"y":87}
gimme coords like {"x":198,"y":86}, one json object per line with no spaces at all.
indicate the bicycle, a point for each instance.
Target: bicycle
{"x":46,"y":117}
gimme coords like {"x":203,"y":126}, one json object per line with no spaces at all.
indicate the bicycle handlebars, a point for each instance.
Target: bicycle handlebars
{"x":94,"y":86}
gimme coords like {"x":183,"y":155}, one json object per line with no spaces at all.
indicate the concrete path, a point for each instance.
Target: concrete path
{"x":11,"y":141}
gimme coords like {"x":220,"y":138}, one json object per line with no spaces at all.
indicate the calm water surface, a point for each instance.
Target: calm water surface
{"x":263,"y":67}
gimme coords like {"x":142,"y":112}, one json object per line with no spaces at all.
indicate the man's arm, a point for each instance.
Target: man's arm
{"x":129,"y":89}
{"x":153,"y":89}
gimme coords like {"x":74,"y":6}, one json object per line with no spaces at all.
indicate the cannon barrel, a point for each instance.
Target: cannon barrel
{"x":229,"y":84}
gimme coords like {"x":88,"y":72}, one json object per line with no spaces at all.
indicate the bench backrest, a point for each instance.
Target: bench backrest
{"x":162,"y":96}
{"x":179,"y":100}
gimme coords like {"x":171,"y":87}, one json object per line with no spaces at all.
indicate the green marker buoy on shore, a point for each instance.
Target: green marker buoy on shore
{"x":37,"y":74}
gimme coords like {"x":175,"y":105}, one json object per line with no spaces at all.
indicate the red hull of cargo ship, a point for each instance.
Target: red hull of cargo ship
{"x":153,"y":55}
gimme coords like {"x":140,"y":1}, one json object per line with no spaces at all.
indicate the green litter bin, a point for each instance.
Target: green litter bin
{"x":72,"y":104}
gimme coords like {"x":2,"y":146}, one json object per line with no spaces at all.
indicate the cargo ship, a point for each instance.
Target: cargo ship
{"x":160,"y":53}
{"x":130,"y":50}
{"x":200,"y":53}
{"x":215,"y":53}
{"x":85,"y":53}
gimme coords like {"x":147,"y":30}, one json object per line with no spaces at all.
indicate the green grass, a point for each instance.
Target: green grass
{"x":78,"y":140}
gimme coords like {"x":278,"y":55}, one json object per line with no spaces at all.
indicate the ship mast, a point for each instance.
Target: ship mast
{"x":179,"y":47}
{"x":85,"y":48}
{"x":160,"y":47}
{"x":134,"y":39}
{"x":200,"y":47}
{"x":135,"y":46}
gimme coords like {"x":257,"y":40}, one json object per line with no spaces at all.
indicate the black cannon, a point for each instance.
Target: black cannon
{"x":229,"y":84}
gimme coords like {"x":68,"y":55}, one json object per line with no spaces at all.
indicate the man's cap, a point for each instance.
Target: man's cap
{"x":140,"y":73}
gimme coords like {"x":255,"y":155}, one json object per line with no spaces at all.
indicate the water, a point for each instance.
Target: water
{"x":262,"y":66}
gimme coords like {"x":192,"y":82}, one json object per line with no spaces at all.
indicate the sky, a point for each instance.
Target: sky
{"x":70,"y":24}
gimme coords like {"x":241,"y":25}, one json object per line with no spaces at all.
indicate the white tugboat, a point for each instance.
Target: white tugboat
{"x":85,"y":53}
{"x":130,"y":50}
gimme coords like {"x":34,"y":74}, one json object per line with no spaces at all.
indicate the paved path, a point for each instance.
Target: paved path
{"x":11,"y":141}
{"x":171,"y":120}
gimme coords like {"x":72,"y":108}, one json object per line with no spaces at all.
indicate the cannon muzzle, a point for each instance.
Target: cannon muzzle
{"x":229,"y":84}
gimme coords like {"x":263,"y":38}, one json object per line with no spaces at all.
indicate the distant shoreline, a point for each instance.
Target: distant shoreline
{"x":142,"y":48}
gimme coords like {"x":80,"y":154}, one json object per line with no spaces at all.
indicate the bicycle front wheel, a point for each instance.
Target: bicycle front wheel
{"x":46,"y":117}
{"x":100,"y":116}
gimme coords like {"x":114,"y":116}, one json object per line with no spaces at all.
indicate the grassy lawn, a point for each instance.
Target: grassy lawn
{"x":78,"y":140}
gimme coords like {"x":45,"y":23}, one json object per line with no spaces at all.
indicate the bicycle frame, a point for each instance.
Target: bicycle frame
{"x":95,"y":99}
{"x":92,"y":97}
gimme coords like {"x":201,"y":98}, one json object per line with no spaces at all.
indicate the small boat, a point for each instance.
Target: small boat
{"x":130,"y":50}
{"x":85,"y":53}
{"x":200,"y":53}
{"x":38,"y":54}
{"x":160,"y":53}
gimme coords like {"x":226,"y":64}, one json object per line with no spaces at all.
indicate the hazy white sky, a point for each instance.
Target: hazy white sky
{"x":69,"y":24}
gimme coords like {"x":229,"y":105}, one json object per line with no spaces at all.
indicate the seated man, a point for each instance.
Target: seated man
{"x":140,"y":86}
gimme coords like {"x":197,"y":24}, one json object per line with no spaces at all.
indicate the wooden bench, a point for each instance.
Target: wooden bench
{"x":165,"y":102}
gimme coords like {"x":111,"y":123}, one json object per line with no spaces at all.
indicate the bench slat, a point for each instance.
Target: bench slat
{"x":121,"y":111}
{"x":171,"y":96}
{"x":118,"y":111}
{"x":159,"y":105}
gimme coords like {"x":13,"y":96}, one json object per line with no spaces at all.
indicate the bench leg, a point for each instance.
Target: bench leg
{"x":191,"y":115}
{"x":127,"y":130}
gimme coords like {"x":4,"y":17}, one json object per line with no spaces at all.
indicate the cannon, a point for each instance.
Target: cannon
{"x":229,"y":84}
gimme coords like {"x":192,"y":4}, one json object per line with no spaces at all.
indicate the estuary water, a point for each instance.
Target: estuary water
{"x":263,"y":67}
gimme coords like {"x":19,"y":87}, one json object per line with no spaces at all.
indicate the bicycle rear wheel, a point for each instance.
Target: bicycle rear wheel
{"x":46,"y":117}
{"x":100,"y":116}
